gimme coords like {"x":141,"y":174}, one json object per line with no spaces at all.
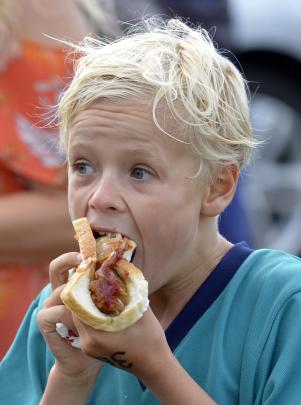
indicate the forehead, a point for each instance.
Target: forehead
{"x":104,"y":115}
{"x":128,"y":123}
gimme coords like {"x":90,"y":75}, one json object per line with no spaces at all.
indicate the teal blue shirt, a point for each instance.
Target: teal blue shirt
{"x":242,"y":343}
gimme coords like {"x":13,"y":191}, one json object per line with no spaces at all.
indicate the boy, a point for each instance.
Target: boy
{"x":156,"y":129}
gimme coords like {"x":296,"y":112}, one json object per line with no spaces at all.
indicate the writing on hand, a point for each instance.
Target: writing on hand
{"x":117,"y":360}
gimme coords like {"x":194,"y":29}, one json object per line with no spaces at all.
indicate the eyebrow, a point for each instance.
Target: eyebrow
{"x":147,"y":151}
{"x":143,"y":149}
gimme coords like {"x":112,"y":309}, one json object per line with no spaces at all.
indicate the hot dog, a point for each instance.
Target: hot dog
{"x":106,"y":291}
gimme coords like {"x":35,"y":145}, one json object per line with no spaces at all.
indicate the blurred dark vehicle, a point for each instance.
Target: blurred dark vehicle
{"x":265,"y":37}
{"x":209,"y":13}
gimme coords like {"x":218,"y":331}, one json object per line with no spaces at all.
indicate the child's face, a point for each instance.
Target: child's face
{"x":128,"y":177}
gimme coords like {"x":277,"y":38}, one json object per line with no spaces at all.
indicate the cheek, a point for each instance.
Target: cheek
{"x":167,"y":228}
{"x":77,"y":200}
{"x":173,"y":235}
{"x":70,"y":199}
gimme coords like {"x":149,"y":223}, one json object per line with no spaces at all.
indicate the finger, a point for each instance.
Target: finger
{"x":90,"y":340}
{"x":87,"y":331}
{"x":95,"y":343}
{"x":47,"y":320}
{"x":54,"y":299}
{"x":59,"y":268}
{"x":49,"y":317}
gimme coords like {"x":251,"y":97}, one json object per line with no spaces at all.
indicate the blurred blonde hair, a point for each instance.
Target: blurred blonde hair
{"x":171,"y":64}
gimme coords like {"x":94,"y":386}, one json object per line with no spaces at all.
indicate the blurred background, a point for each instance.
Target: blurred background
{"x":264,"y":37}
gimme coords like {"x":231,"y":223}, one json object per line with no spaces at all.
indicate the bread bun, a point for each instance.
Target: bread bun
{"x":77,"y":293}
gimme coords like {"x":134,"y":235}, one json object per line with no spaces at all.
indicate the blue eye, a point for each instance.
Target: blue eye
{"x":83,"y":168}
{"x":140,"y":173}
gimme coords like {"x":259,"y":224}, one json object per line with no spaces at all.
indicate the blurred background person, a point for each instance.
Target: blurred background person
{"x":265,"y":36}
{"x":34,"y":220}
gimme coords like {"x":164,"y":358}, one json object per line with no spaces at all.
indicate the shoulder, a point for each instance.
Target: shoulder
{"x":272,"y":270}
{"x":273,"y":331}
{"x":268,"y":290}
{"x":273,"y":258}
{"x":262,"y":289}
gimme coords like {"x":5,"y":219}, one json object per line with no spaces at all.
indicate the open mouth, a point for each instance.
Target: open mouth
{"x":109,"y":235}
{"x":107,"y":240}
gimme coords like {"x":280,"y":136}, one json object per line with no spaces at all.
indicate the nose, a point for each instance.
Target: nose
{"x":107,"y":195}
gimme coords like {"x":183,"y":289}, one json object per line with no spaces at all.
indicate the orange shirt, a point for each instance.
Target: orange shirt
{"x":29,"y":89}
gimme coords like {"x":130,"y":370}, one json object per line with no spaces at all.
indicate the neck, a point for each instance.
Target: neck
{"x":168,"y":302}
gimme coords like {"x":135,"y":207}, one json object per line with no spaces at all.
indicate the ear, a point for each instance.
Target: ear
{"x":219,"y":194}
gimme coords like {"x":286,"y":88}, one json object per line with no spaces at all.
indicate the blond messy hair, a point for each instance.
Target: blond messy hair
{"x":179,"y":66}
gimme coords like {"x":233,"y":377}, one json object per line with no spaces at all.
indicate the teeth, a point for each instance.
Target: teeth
{"x":111,"y":235}
{"x":114,"y":235}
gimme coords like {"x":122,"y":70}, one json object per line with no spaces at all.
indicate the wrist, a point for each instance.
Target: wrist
{"x":63,"y":389}
{"x":86,"y":378}
{"x":158,"y":369}
{"x":171,"y":384}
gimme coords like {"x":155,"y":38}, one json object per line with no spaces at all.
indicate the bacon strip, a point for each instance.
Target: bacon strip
{"x":108,"y":289}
